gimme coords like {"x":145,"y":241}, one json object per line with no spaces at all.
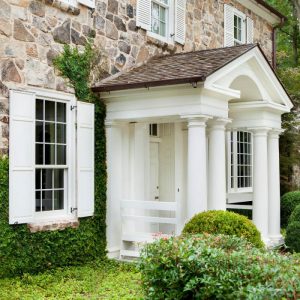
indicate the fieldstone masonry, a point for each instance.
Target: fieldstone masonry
{"x":32,"y":33}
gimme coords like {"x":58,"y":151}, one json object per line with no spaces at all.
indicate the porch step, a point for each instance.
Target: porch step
{"x":129,"y":253}
{"x":148,"y":219}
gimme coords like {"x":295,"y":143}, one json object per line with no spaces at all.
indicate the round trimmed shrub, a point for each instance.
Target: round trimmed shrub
{"x":292,"y":239}
{"x":295,"y":216}
{"x":288,"y":203}
{"x":224,"y":222}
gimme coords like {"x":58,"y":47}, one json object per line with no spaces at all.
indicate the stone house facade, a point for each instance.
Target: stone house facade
{"x":32,"y":33}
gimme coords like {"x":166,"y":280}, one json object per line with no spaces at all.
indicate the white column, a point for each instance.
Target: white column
{"x":260,"y":180}
{"x":217,"y":165}
{"x":114,"y":187}
{"x":196,"y":165}
{"x":274,"y":187}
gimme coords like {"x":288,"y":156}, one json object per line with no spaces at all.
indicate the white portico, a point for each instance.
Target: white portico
{"x":192,"y":142}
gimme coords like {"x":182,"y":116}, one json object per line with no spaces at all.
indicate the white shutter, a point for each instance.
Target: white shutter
{"x":21,"y":156}
{"x":249,"y":30}
{"x":143,"y":14}
{"x":228,"y":25}
{"x":85,"y":159}
{"x":88,"y":3}
{"x":180,"y":6}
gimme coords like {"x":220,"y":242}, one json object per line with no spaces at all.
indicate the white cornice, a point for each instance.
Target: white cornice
{"x":261,"y":11}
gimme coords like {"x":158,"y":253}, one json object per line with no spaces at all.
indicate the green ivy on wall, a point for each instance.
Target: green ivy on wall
{"x":22,"y":251}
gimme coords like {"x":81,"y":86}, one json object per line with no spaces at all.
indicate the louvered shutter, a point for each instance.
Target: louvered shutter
{"x":180,"y":7}
{"x":88,"y":3}
{"x":21,"y":156}
{"x":143,"y":14}
{"x":85,"y":159}
{"x":249,"y":30}
{"x":228,"y":26}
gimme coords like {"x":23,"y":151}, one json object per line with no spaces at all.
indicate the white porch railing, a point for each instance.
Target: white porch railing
{"x":137,"y":214}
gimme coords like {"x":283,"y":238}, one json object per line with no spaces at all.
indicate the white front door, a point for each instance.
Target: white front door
{"x":154,"y":171}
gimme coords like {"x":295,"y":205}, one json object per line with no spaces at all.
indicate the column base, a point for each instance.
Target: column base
{"x":275,"y":240}
{"x":113,"y":253}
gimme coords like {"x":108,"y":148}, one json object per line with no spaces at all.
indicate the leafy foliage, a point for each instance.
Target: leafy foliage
{"x":224,"y":222}
{"x":108,"y":280}
{"x":216,"y":267}
{"x":288,"y":203}
{"x":292,"y":239}
{"x":22,"y":251}
{"x":295,"y":216}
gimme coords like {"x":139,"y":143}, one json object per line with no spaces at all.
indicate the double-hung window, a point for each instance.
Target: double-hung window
{"x":162,"y":19}
{"x":159,"y":17}
{"x":51,"y":157}
{"x":240,"y":161}
{"x":238,"y":28}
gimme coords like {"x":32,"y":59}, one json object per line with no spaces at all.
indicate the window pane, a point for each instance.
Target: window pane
{"x":50,"y":132}
{"x":39,"y":131}
{"x":162,"y":29}
{"x":39,"y":110}
{"x":59,"y":199}
{"x":49,"y":154}
{"x":162,"y":14}
{"x":58,"y":178}
{"x":38,"y":179}
{"x":50,"y":110}
{"x":61,"y":112}
{"x":155,"y":26}
{"x":61,"y":155}
{"x":37,"y":201}
{"x":61,"y":133}
{"x":47,"y":179}
{"x":39,"y":154}
{"x":47,"y":200}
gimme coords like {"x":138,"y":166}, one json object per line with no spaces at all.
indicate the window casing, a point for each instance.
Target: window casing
{"x":240,"y":167}
{"x":162,"y":12}
{"x":51,"y":157}
{"x":239,"y":28}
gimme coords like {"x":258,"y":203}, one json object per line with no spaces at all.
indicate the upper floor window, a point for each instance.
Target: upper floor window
{"x":240,"y":161}
{"x":159,"y":17}
{"x":238,"y":29}
{"x":163,"y":19}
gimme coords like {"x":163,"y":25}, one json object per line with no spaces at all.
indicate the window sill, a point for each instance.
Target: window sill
{"x":154,"y":39}
{"x":53,"y":225}
{"x":67,"y":7}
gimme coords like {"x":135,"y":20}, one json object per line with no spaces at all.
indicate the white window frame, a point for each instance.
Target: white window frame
{"x":235,"y":188}
{"x":242,"y":16}
{"x":170,"y":19}
{"x":70,"y":195}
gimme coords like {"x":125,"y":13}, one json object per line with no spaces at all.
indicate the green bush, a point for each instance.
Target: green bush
{"x":295,"y":216}
{"x":288,"y":203}
{"x":292,"y":239}
{"x":216,"y":267}
{"x":224,"y":222}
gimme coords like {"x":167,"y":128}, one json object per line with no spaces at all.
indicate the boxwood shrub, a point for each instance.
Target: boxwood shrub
{"x":216,"y":267}
{"x":292,"y":239}
{"x":224,"y":222}
{"x":295,"y":216}
{"x":288,"y":203}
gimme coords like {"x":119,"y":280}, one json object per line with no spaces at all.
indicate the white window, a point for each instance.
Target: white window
{"x":88,"y":3}
{"x":154,"y":130}
{"x":238,"y":29}
{"x":163,"y":19}
{"x":51,"y":176}
{"x":240,"y":161}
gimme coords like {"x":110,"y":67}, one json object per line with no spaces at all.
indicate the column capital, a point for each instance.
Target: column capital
{"x":260,"y":131}
{"x":218,"y":123}
{"x":275,"y":133}
{"x":195,"y":120}
{"x":111,"y":123}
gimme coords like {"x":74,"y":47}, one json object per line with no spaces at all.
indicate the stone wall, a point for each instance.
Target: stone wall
{"x":32,"y":33}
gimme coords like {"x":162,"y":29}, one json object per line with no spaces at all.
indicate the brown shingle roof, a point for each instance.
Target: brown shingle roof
{"x":174,"y":69}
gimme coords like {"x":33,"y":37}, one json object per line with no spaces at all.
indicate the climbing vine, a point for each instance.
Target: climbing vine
{"x":22,"y":251}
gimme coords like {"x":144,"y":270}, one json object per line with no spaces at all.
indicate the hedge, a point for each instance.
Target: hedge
{"x":288,"y":203}
{"x":217,"y":267}
{"x":224,"y":222}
